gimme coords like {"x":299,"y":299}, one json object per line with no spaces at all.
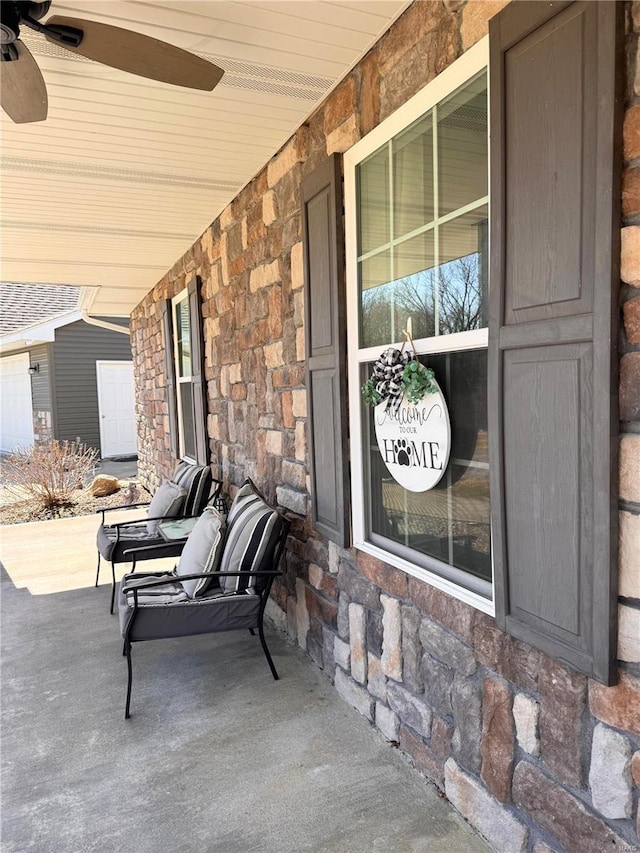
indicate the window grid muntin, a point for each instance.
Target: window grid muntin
{"x":176,"y":303}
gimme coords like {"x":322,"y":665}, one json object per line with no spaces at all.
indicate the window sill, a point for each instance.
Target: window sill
{"x":473,"y":599}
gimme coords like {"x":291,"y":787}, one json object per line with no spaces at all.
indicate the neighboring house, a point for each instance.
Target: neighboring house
{"x":491,"y":625}
{"x":61,"y":377}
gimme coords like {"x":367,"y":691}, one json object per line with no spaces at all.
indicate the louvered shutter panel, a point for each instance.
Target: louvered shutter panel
{"x":555,"y":126}
{"x":170,"y":371}
{"x":325,"y":340}
{"x":197,"y":372}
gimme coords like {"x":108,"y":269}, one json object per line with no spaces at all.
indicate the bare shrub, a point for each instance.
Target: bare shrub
{"x":48,"y":472}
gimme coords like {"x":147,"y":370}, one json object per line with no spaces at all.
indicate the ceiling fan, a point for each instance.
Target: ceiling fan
{"x":23,"y":94}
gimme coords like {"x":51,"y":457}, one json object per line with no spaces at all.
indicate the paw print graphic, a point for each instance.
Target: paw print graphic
{"x":403,"y":452}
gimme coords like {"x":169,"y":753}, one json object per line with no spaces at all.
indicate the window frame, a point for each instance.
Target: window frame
{"x":183,"y":296}
{"x":471,"y":63}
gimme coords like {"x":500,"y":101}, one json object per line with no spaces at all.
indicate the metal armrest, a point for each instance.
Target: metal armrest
{"x":148,"y":549}
{"x":121,"y":506}
{"x":181,"y":578}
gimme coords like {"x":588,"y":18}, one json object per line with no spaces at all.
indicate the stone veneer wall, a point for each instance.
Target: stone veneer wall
{"x":535,"y":756}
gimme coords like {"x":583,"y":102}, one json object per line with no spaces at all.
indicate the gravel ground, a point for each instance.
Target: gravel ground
{"x":14,"y":511}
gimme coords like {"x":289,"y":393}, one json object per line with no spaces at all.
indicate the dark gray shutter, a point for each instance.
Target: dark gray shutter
{"x":197,"y":372}
{"x":170,"y":371}
{"x":325,"y":339}
{"x":555,"y":158}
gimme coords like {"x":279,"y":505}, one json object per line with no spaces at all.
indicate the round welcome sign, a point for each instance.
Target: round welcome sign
{"x":415,"y":440}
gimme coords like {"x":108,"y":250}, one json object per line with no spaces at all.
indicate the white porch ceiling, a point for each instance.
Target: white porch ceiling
{"x":125,"y":173}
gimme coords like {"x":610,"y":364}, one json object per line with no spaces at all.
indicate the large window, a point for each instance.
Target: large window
{"x":417,"y":241}
{"x":182,"y":321}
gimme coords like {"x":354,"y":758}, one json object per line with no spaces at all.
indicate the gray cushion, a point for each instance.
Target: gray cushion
{"x":203,"y":551}
{"x":253,"y":528}
{"x":166,"y":503}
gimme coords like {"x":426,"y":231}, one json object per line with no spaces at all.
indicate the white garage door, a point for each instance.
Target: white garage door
{"x":16,"y":417}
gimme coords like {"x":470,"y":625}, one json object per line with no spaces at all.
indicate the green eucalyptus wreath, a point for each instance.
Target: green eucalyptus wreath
{"x":395,"y":373}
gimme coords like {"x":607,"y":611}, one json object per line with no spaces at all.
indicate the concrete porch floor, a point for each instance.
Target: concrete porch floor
{"x":216,"y":758}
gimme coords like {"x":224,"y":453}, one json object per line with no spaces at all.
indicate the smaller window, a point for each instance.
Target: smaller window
{"x":182,"y":322}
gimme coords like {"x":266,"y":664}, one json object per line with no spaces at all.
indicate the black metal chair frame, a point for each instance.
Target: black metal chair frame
{"x":169,"y":548}
{"x":154,"y":582}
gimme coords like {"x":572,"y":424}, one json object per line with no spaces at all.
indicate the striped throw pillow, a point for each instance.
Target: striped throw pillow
{"x":196,"y":481}
{"x":253,"y":529}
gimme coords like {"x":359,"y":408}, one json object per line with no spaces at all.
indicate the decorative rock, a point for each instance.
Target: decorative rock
{"x":411,"y":710}
{"x":526,"y":714}
{"x":475,"y":20}
{"x":466,"y":702}
{"x":630,"y":255}
{"x":497,"y":738}
{"x":387,"y":722}
{"x":273,"y":356}
{"x":631,"y":313}
{"x":376,"y":679}
{"x":273,"y":442}
{"x":357,"y":640}
{"x":391,"y":580}
{"x":411,"y":648}
{"x":354,"y":694}
{"x":343,"y":137}
{"x":343,"y":617}
{"x":619,"y":706}
{"x":269,"y":208}
{"x":561,"y":814}
{"x":302,"y":614}
{"x":422,"y":756}
{"x":446,"y":647}
{"x":438,"y":680}
{"x":342,"y":653}
{"x":631,"y":133}
{"x":488,"y":817}
{"x":631,"y":192}
{"x":300,"y":404}
{"x":562,"y":695}
{"x":357,"y":588}
{"x":630,"y":467}
{"x":297,"y":268}
{"x":610,"y":773}
{"x":104,"y":485}
{"x":374,"y":632}
{"x":264,"y":275}
{"x":391,"y":638}
{"x":629,"y":552}
{"x":295,"y":501}
{"x":629,"y":396}
{"x":629,"y":634}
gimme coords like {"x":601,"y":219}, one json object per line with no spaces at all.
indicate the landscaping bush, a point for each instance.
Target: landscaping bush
{"x":48,"y":472}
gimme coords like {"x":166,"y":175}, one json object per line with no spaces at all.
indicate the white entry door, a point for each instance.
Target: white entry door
{"x":16,"y":410}
{"x":116,"y":408}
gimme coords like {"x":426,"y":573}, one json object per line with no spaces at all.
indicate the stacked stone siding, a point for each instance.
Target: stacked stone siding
{"x":536,"y":757}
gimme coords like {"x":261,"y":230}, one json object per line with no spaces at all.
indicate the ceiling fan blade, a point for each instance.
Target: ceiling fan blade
{"x":23,"y":94}
{"x":138,"y":54}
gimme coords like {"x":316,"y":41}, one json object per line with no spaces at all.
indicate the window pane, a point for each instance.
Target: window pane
{"x":462,"y":146}
{"x":186,"y":419}
{"x":413,"y":177}
{"x":462,"y":275}
{"x":376,"y":300}
{"x":450,"y":522}
{"x":183,"y":338}
{"x":414,"y":286}
{"x":373,"y":188}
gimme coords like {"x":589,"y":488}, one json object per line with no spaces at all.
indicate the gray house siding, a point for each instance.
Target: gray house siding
{"x":41,"y":393}
{"x":76,"y":349}
{"x":41,"y":381}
